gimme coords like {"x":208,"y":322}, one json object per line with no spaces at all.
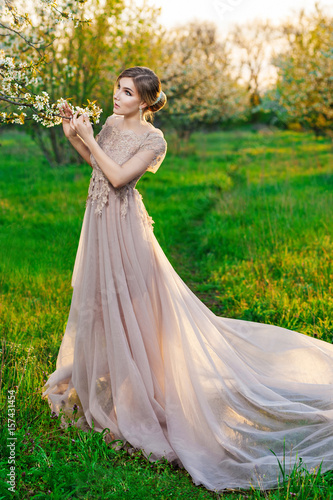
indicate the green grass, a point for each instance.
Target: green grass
{"x":245,"y":219}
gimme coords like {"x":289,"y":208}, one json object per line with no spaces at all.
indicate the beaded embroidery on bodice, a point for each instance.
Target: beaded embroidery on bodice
{"x":121,"y":145}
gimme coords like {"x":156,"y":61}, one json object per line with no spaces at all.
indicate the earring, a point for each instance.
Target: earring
{"x":140,"y":114}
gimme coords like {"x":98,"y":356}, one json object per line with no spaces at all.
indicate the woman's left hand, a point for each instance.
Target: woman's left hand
{"x":83,"y":127}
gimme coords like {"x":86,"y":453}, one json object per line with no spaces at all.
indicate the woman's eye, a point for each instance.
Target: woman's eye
{"x":127,"y":91}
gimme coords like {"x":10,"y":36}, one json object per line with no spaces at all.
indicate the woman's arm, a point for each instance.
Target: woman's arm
{"x":80,"y":147}
{"x":118,"y":175}
{"x":70,"y":132}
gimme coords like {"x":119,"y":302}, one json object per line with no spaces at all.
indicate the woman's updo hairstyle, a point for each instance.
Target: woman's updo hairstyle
{"x":148,"y":86}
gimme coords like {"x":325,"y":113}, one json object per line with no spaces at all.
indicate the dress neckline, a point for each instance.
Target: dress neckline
{"x":133,"y":132}
{"x":151,"y":129}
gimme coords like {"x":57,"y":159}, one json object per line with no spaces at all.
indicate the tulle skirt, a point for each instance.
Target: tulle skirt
{"x":143,"y":357}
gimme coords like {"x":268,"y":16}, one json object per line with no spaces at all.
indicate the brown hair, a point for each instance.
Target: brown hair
{"x":148,"y":86}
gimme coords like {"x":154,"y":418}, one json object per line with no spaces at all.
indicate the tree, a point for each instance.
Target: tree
{"x":83,"y":62}
{"x":195,"y":73}
{"x":304,"y":89}
{"x":23,"y":55}
{"x":73,"y":69}
{"x":252,"y":45}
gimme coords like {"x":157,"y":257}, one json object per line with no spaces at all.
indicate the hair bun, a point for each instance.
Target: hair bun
{"x":159,"y":98}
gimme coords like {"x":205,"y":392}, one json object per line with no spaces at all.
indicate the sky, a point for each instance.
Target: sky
{"x":228,"y":12}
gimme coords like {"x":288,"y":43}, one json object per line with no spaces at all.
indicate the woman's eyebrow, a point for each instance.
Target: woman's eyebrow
{"x":127,"y":88}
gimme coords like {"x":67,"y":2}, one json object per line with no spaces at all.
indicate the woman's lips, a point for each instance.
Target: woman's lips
{"x":116,"y":105}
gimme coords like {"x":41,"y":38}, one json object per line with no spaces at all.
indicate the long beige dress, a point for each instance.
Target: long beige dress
{"x":145,"y":358}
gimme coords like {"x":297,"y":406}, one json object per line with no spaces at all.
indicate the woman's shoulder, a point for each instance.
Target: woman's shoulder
{"x":159,"y":132}
{"x":111,"y":120}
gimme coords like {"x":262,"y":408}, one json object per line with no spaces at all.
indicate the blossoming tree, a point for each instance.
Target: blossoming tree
{"x":23,"y":55}
{"x":303,"y":92}
{"x":252,"y":45}
{"x":82,"y":63}
{"x":196,"y":75}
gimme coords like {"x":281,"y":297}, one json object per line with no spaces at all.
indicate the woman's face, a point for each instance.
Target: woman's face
{"x":126,"y":98}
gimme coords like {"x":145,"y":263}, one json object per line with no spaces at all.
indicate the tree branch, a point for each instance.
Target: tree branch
{"x":31,"y":44}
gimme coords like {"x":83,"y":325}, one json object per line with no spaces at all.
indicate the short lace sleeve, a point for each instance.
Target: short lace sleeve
{"x":108,"y":122}
{"x":156,"y":143}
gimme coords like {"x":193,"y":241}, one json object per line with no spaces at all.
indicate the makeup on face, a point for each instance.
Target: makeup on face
{"x":126,"y":88}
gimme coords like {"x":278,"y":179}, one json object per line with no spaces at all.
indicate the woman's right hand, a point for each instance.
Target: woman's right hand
{"x":67,"y":123}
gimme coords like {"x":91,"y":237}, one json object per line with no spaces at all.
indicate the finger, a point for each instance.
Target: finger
{"x":76,"y":120}
{"x":82,"y":119}
{"x":68,"y":110}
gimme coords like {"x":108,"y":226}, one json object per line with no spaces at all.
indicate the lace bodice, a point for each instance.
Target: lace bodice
{"x":121,"y":145}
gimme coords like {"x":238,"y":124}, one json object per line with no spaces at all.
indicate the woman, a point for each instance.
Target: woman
{"x":144,"y":358}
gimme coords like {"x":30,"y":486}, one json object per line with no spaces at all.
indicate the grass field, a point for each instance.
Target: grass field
{"x":246,"y":220}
